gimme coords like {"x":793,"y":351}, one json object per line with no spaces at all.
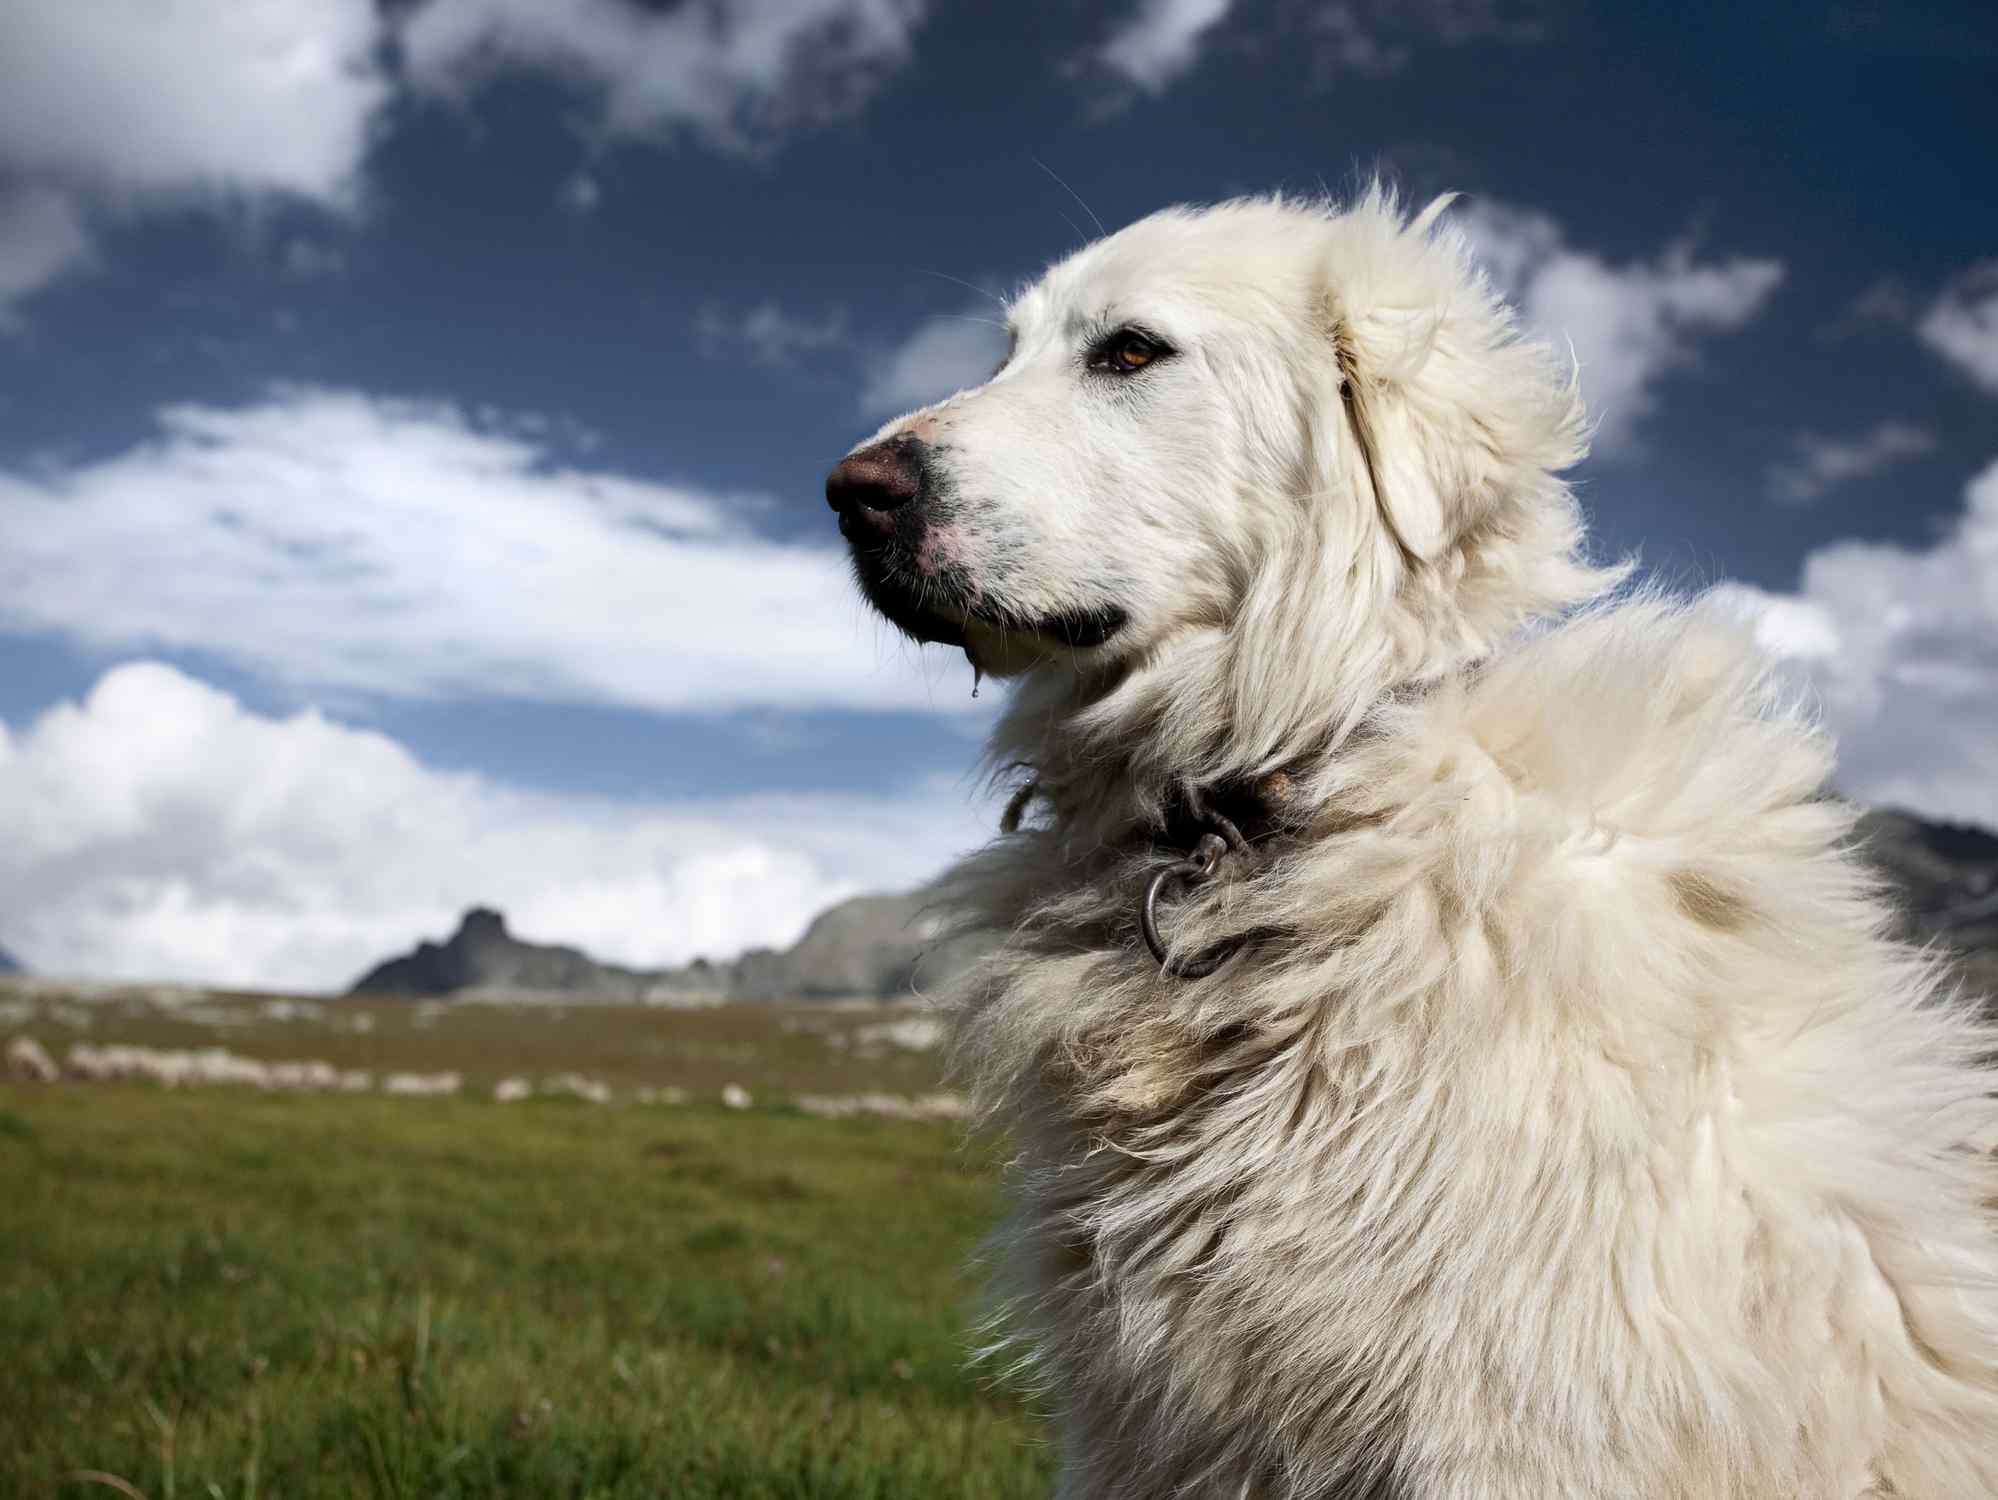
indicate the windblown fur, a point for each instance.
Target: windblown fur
{"x":1575,"y":1131}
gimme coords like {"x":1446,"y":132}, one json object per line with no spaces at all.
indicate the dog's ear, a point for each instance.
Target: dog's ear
{"x":1446,"y":414}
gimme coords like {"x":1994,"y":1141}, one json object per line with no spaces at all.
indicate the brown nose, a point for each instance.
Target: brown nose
{"x":868,"y":485}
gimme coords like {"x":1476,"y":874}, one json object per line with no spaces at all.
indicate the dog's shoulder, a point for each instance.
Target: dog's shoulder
{"x":1647,"y":718}
{"x":1633,"y":786}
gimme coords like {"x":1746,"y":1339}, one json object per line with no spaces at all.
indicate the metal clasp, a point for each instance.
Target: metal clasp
{"x":1195,"y":870}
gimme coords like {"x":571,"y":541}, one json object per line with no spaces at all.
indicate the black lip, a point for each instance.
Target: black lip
{"x":1082,"y":629}
{"x":907,"y":609}
{"x":914,"y":611}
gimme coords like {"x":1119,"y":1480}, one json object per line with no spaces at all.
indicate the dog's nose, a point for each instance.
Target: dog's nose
{"x":868,"y":485}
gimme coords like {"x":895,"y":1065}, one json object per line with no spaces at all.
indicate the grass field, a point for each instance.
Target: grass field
{"x":223,"y":1293}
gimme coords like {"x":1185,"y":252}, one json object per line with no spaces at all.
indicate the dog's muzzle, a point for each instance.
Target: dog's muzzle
{"x":879,"y":494}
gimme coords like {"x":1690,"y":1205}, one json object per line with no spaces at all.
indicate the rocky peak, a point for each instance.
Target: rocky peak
{"x":482,"y":925}
{"x":482,"y":954}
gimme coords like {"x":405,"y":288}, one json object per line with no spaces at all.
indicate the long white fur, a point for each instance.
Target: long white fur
{"x":1581,"y":1133}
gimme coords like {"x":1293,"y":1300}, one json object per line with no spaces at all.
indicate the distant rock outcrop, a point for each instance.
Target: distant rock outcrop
{"x":9,"y":964}
{"x":483,"y":955}
{"x":869,"y":947}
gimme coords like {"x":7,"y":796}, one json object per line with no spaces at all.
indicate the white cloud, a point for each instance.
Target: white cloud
{"x":1822,"y":463}
{"x":944,"y":355}
{"x":1886,"y":303}
{"x":138,"y":96}
{"x":1962,"y":324}
{"x":337,"y":540}
{"x":1631,"y":324}
{"x":1900,"y":646}
{"x":1159,"y":41}
{"x":119,"y":104}
{"x":311,"y":260}
{"x":1355,"y":43}
{"x":581,"y":193}
{"x":1378,"y":37}
{"x":158,"y":830}
{"x":42,"y":238}
{"x":738,"y":73}
{"x":768,"y":335}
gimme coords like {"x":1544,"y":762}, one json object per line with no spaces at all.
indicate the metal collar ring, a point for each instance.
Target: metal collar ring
{"x":1192,"y":871}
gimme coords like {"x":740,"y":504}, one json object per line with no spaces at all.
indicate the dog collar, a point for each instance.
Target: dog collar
{"x":1257,"y":804}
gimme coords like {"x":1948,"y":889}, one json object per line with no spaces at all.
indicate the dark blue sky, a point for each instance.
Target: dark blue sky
{"x":1760,"y":226}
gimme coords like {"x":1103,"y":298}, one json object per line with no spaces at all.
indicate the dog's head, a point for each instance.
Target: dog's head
{"x":1264,"y":410}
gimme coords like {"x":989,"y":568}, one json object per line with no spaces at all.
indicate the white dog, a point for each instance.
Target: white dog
{"x":1528,"y":1104}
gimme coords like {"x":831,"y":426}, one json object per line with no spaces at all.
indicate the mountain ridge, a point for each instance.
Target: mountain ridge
{"x":871,"y":947}
{"x":887,"y":946}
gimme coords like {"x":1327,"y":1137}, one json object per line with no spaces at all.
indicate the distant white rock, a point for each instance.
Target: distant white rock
{"x":735,"y":1096}
{"x":205,"y":1067}
{"x":29,"y":1062}
{"x":913,"y":1034}
{"x":422,"y":1085}
{"x":512,"y":1091}
{"x":576,"y":1086}
{"x":937,"y":1106}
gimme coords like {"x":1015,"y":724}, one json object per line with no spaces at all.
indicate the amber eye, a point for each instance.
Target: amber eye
{"x":1126,"y":353}
{"x":1134,"y":353}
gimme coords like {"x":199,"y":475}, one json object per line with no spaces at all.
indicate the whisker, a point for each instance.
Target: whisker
{"x":974,"y":286}
{"x":1100,"y":230}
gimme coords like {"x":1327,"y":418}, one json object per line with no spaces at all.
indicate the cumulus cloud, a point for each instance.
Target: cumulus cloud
{"x":42,"y":238}
{"x":1900,"y":645}
{"x":159,"y":830}
{"x":1823,"y":463}
{"x":338,"y":540}
{"x":737,"y":73}
{"x":1159,"y":41}
{"x":944,"y":355}
{"x":766,"y":334}
{"x":142,"y":97}
{"x":1630,"y":325}
{"x":1962,"y":324}
{"x":122,"y":104}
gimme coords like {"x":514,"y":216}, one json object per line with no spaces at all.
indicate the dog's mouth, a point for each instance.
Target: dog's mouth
{"x":924,"y":609}
{"x":943,"y":608}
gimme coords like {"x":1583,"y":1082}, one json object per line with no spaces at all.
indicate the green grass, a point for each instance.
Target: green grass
{"x":227,"y":1294}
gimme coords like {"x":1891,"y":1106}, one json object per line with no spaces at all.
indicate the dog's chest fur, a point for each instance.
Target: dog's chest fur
{"x":1506,"y":1168}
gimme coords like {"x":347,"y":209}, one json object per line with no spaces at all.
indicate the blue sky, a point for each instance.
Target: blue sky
{"x":413,"y":419}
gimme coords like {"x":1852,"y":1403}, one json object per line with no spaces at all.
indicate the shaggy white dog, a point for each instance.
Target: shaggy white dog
{"x":1531,"y":1105}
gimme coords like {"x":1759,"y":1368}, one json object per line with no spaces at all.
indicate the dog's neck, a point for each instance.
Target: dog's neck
{"x":1305,"y":664}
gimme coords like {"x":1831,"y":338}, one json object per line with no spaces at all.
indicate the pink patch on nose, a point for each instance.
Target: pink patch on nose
{"x":941,"y":547}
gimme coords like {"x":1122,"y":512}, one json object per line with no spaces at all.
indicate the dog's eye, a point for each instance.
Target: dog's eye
{"x":1126,"y":353}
